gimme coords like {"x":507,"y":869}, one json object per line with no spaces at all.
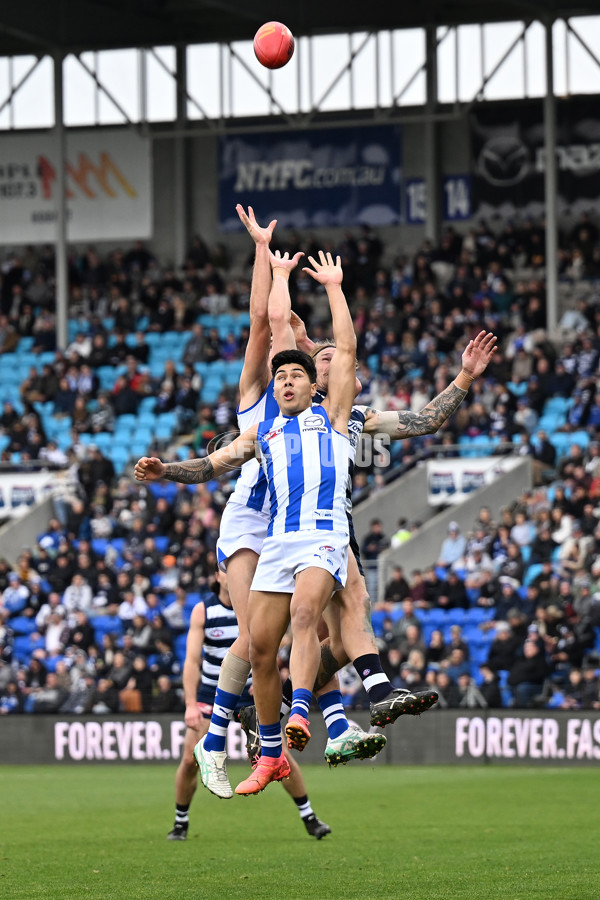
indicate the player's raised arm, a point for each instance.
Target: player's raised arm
{"x":342,"y":372}
{"x":255,"y":374}
{"x":280,"y":304}
{"x":198,"y":471}
{"x":191,"y":667}
{"x":408,"y":424}
{"x":303,"y":342}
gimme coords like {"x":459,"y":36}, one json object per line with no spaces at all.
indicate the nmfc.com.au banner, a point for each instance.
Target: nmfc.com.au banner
{"x":314,"y":178}
{"x":108,"y":185}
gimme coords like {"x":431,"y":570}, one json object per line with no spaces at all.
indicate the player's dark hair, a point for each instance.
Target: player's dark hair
{"x":295,"y":358}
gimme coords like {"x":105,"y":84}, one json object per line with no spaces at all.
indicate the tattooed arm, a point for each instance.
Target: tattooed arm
{"x":404,"y":424}
{"x":197,"y":471}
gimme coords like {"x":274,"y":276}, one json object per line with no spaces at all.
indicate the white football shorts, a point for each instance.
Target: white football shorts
{"x":284,"y":555}
{"x":242,"y":528}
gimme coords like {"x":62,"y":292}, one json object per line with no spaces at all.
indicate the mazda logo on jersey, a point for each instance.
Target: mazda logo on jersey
{"x":314,"y":421}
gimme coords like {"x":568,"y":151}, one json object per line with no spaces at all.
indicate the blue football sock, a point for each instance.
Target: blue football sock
{"x":222,"y":715}
{"x":271,"y":743}
{"x":301,"y":702}
{"x":333,"y":713}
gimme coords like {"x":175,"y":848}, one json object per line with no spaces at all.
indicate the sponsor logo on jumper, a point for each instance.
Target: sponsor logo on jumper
{"x":272,"y":434}
{"x":328,"y":549}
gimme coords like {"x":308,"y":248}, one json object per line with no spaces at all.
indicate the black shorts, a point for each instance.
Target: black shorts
{"x":354,"y":545}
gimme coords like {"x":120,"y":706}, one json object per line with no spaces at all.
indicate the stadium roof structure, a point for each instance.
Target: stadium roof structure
{"x":70,"y":26}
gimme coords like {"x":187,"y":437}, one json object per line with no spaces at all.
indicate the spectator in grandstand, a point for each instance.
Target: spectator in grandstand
{"x":165,"y":700}
{"x":136,"y":696}
{"x":453,"y":593}
{"x":140,"y":631}
{"x":103,"y":417}
{"x":527,"y":675}
{"x":195,"y":347}
{"x":47,"y":698}
{"x":513,"y":565}
{"x":456,"y":664}
{"x":375,"y":541}
{"x":412,"y":640}
{"x":395,"y":591}
{"x":185,"y":404}
{"x":15,"y":595}
{"x":77,"y":597}
{"x":453,"y":547}
{"x":174,"y":613}
{"x":489,"y":688}
{"x":56,"y":633}
{"x":130,"y":607}
{"x":81,"y":636}
{"x":436,"y":649}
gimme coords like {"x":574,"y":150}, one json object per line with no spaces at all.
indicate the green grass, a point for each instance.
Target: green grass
{"x":415,"y":833}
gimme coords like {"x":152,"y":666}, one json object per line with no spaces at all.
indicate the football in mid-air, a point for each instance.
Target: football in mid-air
{"x":273,"y":45}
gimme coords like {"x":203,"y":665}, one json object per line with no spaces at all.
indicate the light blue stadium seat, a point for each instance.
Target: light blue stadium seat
{"x":163,"y":433}
{"x":559,"y":405}
{"x":473,"y":595}
{"x":478,"y":614}
{"x":64,"y":441}
{"x":23,"y":625}
{"x":210,"y":395}
{"x":526,"y":553}
{"x":120,"y":459}
{"x":437,"y":618}
{"x":107,"y":376}
{"x":143,"y":435}
{"x":127,"y":420}
{"x":167,"y":419}
{"x":456,"y":616}
{"x":147,"y":404}
{"x":218,"y":368}
{"x":99,"y":546}
{"x":550,"y":422}
{"x":103,"y":439}
{"x":373,"y":362}
{"x":25,"y":344}
{"x":146,"y":419}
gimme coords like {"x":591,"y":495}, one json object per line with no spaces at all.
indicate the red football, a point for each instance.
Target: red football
{"x":273,"y":45}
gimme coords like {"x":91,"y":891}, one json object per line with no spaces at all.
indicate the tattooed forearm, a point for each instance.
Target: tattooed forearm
{"x":192,"y":471}
{"x":433,"y":416}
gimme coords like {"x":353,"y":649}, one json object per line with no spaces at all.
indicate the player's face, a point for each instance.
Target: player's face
{"x":292,"y":389}
{"x":323,"y":362}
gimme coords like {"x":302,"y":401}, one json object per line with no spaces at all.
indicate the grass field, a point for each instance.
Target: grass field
{"x":414,"y":833}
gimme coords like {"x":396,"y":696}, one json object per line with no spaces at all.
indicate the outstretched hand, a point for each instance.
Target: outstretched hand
{"x":327,"y":272}
{"x":478,"y":353}
{"x":284,"y":262}
{"x":298,"y":326}
{"x":149,"y":469}
{"x":259,"y":235}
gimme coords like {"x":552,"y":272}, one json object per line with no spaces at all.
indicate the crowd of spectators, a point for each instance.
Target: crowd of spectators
{"x":413,"y":315}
